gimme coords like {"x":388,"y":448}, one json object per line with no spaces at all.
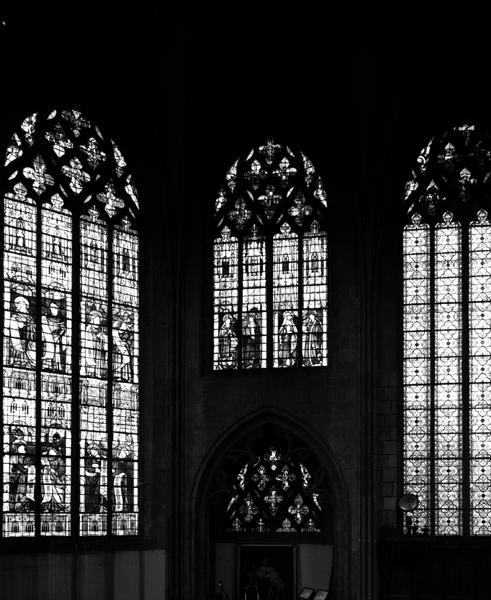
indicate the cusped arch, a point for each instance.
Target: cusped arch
{"x":284,"y":423}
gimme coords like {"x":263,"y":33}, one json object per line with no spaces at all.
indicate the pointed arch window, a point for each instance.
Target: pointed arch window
{"x":447,"y":334}
{"x":70,"y":332}
{"x":270,"y":263}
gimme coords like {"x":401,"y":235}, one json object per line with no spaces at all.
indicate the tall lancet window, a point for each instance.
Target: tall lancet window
{"x":270,"y":263}
{"x":70,"y":332}
{"x":447,"y":334}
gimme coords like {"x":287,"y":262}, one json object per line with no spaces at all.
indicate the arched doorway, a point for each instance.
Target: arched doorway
{"x":269,"y":502}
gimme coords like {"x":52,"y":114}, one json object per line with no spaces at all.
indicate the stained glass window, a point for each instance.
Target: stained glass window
{"x":70,"y":332}
{"x":270,"y":263}
{"x":447,"y":334}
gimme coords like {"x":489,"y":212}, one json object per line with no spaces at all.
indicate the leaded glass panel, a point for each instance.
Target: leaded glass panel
{"x":94,"y":350}
{"x":56,"y":367}
{"x":480,"y":381}
{"x":448,"y":376}
{"x":417,"y":403}
{"x":19,"y":360}
{"x":286,"y":326}
{"x":226,"y":302}
{"x":254,"y":324}
{"x":314,"y":315}
{"x":126,"y":348}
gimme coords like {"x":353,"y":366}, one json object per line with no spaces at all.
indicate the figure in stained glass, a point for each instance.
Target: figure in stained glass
{"x":22,"y":336}
{"x":120,"y":490}
{"x":95,"y":476}
{"x":20,"y":239}
{"x":312,"y":340}
{"x":228,"y":341}
{"x":53,"y":470}
{"x":96,"y":344}
{"x":123,"y":345}
{"x":53,"y":325}
{"x":314,"y":263}
{"x":125,"y":262}
{"x":22,"y":468}
{"x":124,"y":454}
{"x":287,"y":335}
{"x":251,"y":339}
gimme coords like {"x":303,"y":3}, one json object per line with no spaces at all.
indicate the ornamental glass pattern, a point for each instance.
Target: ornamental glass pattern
{"x":270,"y":263}
{"x":70,"y":332}
{"x":274,"y":492}
{"x":447,"y":334}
